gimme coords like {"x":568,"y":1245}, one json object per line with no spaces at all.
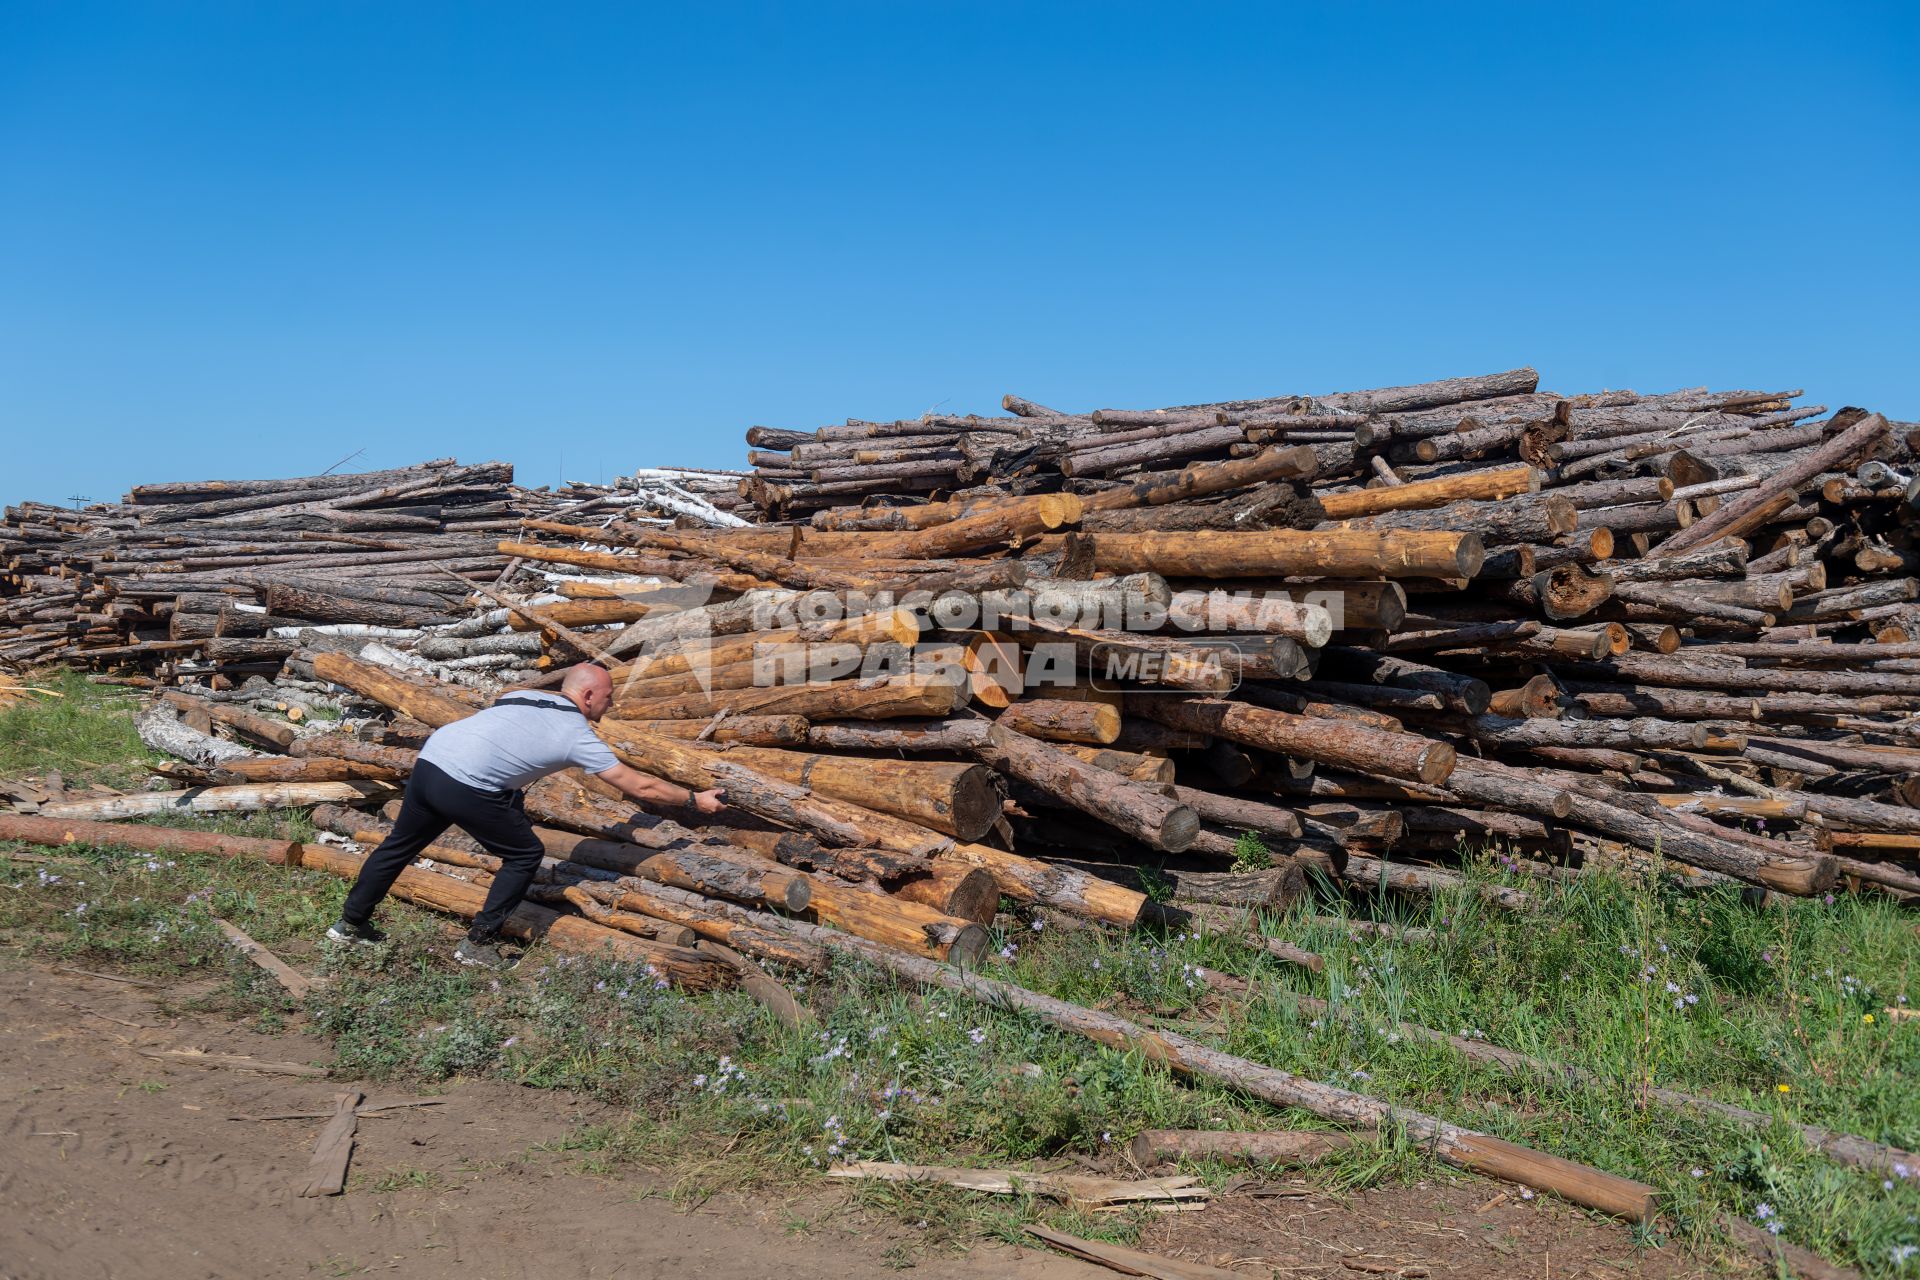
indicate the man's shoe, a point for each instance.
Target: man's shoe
{"x":361,"y":934}
{"x":487,"y":955}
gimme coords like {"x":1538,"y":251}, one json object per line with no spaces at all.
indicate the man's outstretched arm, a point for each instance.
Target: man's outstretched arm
{"x":648,"y":789}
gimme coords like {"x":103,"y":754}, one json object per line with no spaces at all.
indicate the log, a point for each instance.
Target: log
{"x":1133,"y":765}
{"x":961,"y":800}
{"x":892,"y":735}
{"x":902,"y":697}
{"x":1336,"y":743}
{"x":1456,"y":692}
{"x":744,"y":880}
{"x":1355,"y":553}
{"x":1050,"y":885}
{"x":389,"y":690}
{"x":1463,"y":1148}
{"x":634,"y":922}
{"x":710,"y":919}
{"x":1491,"y":483}
{"x":955,"y":889}
{"x":899,"y":924}
{"x":1053,"y":720}
{"x":274,"y":735}
{"x":565,"y":933}
{"x":1234,"y":811}
{"x":746,"y":730}
{"x":1310,"y":624}
{"x":247,"y":798}
{"x":340,"y":746}
{"x":1748,"y":512}
{"x":1139,"y":811}
{"x":1282,"y":1148}
{"x":160,"y":728}
{"x":1202,"y":479}
{"x":1114,"y":603}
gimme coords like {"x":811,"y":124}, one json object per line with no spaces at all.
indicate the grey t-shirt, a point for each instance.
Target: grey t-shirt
{"x":505,"y":748}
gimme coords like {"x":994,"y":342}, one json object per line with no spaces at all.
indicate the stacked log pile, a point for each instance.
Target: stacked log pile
{"x":1390,"y":624}
{"x":1126,"y":666}
{"x":207,"y":570}
{"x":1375,"y":630}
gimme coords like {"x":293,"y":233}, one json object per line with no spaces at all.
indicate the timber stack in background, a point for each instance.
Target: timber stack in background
{"x":1386,"y":632}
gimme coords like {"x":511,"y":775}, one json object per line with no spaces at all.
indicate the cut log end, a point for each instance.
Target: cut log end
{"x":1436,"y":763}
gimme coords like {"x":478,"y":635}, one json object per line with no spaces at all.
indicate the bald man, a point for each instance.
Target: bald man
{"x":471,"y":774}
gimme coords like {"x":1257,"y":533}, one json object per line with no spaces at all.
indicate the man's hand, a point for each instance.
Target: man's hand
{"x":709,"y":802}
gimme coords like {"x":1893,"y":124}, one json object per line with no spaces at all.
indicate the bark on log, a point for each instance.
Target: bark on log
{"x":389,"y":690}
{"x":247,"y":798}
{"x":1336,"y":743}
{"x":274,"y":735}
{"x":1491,"y":483}
{"x":893,"y":735}
{"x":954,"y":889}
{"x":1140,"y":811}
{"x":903,"y":697}
{"x":1349,"y":553}
{"x":1201,"y":479}
{"x":1284,"y":1148}
{"x":1053,"y":720}
{"x":1031,"y":880}
{"x":159,"y":727}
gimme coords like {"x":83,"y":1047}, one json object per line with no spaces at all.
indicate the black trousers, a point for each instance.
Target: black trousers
{"x":435,"y":801}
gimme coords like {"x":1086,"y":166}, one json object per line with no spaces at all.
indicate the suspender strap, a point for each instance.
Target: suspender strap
{"x":538,"y":704}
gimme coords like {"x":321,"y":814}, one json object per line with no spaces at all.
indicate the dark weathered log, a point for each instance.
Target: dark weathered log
{"x":1457,"y":692}
{"x":1742,"y":516}
{"x":1142,"y":812}
{"x":275,"y":735}
{"x":1201,"y":479}
{"x":1640,"y":733}
{"x":1337,"y":743}
{"x":342,"y":746}
{"x":1234,"y":811}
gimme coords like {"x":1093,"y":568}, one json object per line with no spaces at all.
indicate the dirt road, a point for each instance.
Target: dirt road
{"x":119,"y":1165}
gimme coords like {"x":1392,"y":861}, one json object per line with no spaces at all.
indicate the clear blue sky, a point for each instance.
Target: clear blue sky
{"x":247,"y":239}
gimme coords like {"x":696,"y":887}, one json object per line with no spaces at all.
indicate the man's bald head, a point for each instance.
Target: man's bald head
{"x":589,"y":688}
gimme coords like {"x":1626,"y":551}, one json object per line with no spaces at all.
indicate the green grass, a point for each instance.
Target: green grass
{"x":86,"y":733}
{"x":718,"y":1096}
{"x":1250,"y":852}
